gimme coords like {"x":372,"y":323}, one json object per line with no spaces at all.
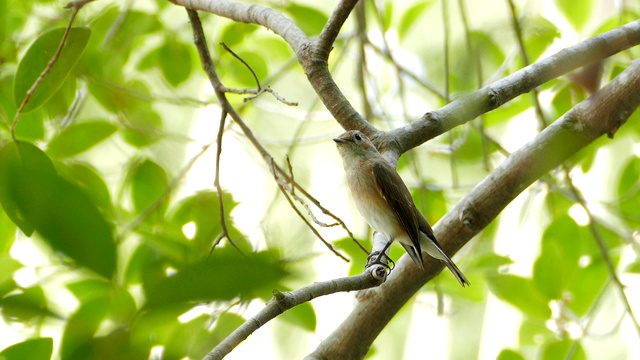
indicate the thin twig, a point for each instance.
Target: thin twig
{"x":281,"y":302}
{"x":315,"y":232}
{"x":602,"y":247}
{"x":255,"y":77}
{"x":216,"y":182}
{"x":209,"y":67}
{"x":525,"y":58}
{"x":447,"y":95}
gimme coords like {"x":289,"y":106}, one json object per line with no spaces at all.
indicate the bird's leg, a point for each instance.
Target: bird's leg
{"x":376,"y":257}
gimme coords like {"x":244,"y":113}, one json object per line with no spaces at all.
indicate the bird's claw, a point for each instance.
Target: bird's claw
{"x":379,"y":258}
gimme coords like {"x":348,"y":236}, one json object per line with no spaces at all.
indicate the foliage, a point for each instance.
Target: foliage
{"x":96,"y":181}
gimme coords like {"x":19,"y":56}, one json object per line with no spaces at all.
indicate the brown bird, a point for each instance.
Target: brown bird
{"x":384,"y":201}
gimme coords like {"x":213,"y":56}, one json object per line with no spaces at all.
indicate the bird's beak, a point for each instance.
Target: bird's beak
{"x":339,"y":140}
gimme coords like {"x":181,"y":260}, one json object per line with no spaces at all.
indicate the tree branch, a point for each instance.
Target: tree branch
{"x":603,"y":112}
{"x":494,"y":95}
{"x":281,"y":302}
{"x":311,"y":55}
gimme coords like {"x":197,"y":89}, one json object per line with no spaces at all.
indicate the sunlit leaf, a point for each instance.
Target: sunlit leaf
{"x":202,"y":212}
{"x":81,"y":327}
{"x":235,"y":33}
{"x":149,"y":182}
{"x":521,"y":293}
{"x":175,"y":61}
{"x":32,"y":349}
{"x":310,"y":20}
{"x":8,"y":266}
{"x":192,"y":339}
{"x":508,"y":354}
{"x":628,"y":190}
{"x":388,"y":15}
{"x":80,"y":137}
{"x":143,"y":127}
{"x":562,"y":349}
{"x":37,"y":58}
{"x":226,"y":324}
{"x":587,"y":284}
{"x":539,"y":33}
{"x":578,"y":16}
{"x":560,"y":251}
{"x":303,"y":316}
{"x":411,"y":15}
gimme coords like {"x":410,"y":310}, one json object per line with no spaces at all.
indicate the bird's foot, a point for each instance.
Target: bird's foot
{"x":380,"y":258}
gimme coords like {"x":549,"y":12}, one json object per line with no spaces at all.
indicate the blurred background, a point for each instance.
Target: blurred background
{"x":110,"y":209}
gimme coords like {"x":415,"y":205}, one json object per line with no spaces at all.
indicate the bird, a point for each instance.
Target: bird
{"x":384,"y":201}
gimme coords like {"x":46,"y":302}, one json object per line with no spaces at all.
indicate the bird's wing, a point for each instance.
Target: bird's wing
{"x":396,"y":194}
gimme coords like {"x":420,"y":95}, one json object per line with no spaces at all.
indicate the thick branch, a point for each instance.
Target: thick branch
{"x":494,"y":95}
{"x":602,"y":113}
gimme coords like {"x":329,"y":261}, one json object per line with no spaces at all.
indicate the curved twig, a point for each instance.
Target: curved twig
{"x":281,"y":302}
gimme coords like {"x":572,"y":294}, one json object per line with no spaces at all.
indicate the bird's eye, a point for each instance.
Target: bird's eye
{"x":357,"y":137}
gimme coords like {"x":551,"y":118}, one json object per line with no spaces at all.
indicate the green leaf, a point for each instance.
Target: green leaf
{"x":388,"y":15}
{"x":587,"y":284}
{"x":85,"y":177}
{"x":149,"y":181}
{"x":79,"y":138}
{"x":88,"y":289}
{"x":235,"y":33}
{"x":241,"y":74}
{"x":226,"y":324}
{"x":29,"y":305}
{"x":203,"y":211}
{"x":175,"y":61}
{"x":507,"y":111}
{"x":410,"y":17}
{"x":533,"y":331}
{"x":151,"y":60}
{"x":38,"y":56}
{"x":8,"y":266}
{"x":15,"y":158}
{"x":81,"y":327}
{"x":558,"y":260}
{"x":143,"y":126}
{"x":223,"y":276}
{"x":60,"y":102}
{"x":310,"y":20}
{"x":191,"y":339}
{"x":302,"y":316}
{"x":563,"y":349}
{"x":358,"y":259}
{"x":64,"y":215}
{"x":628,"y":191}
{"x":491,"y":262}
{"x":508,"y":354}
{"x":32,"y":349}
{"x":633,"y":268}
{"x":578,"y":16}
{"x":521,"y":293}
{"x":431,"y":203}
{"x":539,"y":33}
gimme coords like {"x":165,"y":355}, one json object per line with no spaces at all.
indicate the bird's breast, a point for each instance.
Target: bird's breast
{"x":371,"y":205}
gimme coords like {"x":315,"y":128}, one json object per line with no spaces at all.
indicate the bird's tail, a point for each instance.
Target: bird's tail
{"x":433,"y":248}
